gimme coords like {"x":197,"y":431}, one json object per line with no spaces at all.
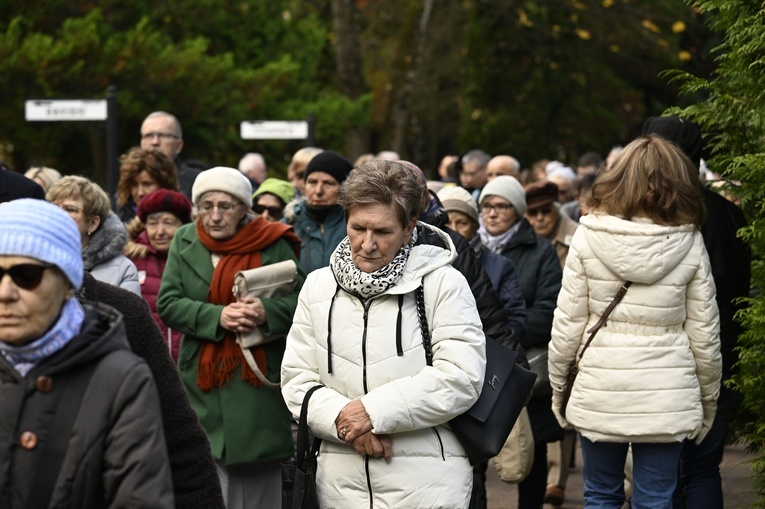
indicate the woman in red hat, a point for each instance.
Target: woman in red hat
{"x":159,"y":214}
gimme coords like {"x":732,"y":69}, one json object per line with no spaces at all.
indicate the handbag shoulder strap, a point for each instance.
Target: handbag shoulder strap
{"x":419,"y":296}
{"x":303,"y":441}
{"x":595,"y":328}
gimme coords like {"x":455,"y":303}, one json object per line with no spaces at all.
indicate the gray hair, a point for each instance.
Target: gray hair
{"x":386,"y":182}
{"x":251,"y":160}
{"x":176,"y":122}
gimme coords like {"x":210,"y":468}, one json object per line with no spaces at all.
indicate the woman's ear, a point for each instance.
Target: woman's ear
{"x":93,"y":223}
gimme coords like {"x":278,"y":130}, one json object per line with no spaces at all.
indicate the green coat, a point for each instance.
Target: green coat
{"x":249,"y":424}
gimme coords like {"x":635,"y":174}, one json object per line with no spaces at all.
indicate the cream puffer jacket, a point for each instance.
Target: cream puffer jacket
{"x":405,"y":398}
{"x":652,"y":373}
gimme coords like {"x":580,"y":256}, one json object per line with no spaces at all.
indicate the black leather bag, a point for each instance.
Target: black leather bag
{"x":484,"y":428}
{"x":299,"y":475}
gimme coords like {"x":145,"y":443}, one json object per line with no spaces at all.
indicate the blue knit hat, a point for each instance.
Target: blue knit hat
{"x":38,"y":229}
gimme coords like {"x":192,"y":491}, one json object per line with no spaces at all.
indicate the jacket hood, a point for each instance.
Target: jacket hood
{"x":638,"y":250}
{"x":106,"y":243}
{"x":433,"y":249}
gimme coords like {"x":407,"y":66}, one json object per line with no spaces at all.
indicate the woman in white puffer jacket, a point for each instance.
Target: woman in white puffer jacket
{"x":651,"y":376}
{"x":382,"y":410}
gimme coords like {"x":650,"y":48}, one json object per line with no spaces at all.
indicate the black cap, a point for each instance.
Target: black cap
{"x":331,"y":163}
{"x":684,"y":133}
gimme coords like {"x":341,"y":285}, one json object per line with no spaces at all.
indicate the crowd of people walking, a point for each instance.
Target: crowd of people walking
{"x":127,"y":380}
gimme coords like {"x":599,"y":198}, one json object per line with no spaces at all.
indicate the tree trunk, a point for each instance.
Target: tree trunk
{"x":401,"y":108}
{"x":349,"y":69}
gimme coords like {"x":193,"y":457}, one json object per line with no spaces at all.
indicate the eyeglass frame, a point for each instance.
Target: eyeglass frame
{"x":71,"y":209}
{"x":13,"y":272}
{"x":160,"y":135}
{"x":208,"y":208}
{"x":499,"y":208}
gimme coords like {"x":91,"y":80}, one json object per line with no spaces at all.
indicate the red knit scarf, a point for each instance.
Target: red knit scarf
{"x":218,"y":360}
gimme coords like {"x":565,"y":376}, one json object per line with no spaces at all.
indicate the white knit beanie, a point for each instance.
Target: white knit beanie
{"x":510,"y":189}
{"x":40,"y":230}
{"x":457,"y":199}
{"x":227,"y":180}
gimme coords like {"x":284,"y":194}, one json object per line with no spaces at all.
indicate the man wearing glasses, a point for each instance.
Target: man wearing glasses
{"x":162,"y":131}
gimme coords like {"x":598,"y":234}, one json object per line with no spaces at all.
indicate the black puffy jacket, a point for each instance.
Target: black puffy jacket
{"x":730,"y":259}
{"x":115,"y":454}
{"x":490,"y":308}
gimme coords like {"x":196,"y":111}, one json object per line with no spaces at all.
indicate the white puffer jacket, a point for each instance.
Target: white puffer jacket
{"x":652,"y":373}
{"x":404,"y":397}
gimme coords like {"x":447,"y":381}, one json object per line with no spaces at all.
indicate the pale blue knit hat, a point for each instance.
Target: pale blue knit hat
{"x":38,"y":229}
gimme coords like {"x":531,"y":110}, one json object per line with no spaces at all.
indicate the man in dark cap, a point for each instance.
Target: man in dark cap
{"x":318,"y":220}
{"x":699,"y":484}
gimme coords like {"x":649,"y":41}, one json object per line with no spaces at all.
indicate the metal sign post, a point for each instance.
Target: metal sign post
{"x":85,"y":110}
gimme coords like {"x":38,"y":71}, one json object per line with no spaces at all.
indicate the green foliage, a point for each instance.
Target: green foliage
{"x":252,"y":61}
{"x":535,"y":78}
{"x":732,"y":115}
{"x":552,"y":79}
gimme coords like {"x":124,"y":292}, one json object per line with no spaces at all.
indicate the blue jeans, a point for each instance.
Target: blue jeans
{"x":654,"y":474}
{"x":699,"y":485}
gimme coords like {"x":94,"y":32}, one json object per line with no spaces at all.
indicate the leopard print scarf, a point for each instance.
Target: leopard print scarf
{"x":366,"y":285}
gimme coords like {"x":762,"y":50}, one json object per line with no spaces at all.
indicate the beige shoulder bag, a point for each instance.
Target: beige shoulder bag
{"x":266,"y":282}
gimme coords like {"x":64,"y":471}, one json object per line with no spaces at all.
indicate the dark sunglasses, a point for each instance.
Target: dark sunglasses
{"x":25,"y":275}
{"x":542,"y":210}
{"x":274,"y":212}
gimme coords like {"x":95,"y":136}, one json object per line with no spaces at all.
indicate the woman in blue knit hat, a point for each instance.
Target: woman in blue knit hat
{"x":80,"y":423}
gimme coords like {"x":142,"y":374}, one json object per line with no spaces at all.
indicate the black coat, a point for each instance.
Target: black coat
{"x":540,"y":276}
{"x":195,"y":480}
{"x":14,"y":186}
{"x":490,"y":308}
{"x":731,"y":267}
{"x":187,"y":174}
{"x":115,"y":454}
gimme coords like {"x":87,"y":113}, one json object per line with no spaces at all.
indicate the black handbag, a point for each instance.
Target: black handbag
{"x":484,"y":428}
{"x":299,"y":475}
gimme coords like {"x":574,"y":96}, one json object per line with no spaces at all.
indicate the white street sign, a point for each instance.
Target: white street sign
{"x":43,"y":110}
{"x":274,"y":130}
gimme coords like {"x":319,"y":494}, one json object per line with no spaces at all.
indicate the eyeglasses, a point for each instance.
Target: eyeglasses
{"x":223,"y":208}
{"x":25,"y":275}
{"x":274,"y":212}
{"x":70,"y":209}
{"x":545,"y":211}
{"x":161,"y":136}
{"x":499,"y":208}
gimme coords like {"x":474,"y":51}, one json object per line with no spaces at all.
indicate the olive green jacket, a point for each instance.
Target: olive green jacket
{"x":245,"y":424}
